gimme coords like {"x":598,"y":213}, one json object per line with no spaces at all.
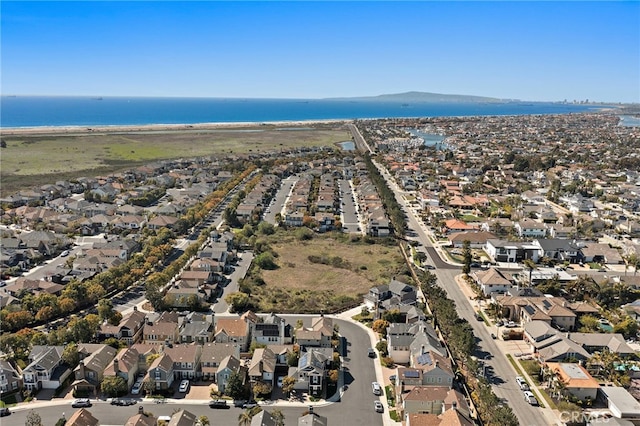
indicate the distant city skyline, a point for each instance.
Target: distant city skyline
{"x":533,"y":51}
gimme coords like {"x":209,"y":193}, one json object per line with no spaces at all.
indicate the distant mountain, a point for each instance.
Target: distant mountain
{"x":424,"y":97}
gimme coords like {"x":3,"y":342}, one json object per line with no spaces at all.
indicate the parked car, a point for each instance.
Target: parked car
{"x":219,"y":404}
{"x":530,"y":398}
{"x":510,"y":324}
{"x":280,"y":380}
{"x":184,"y":386}
{"x":522,"y":383}
{"x":393,"y":378}
{"x":493,"y":336}
{"x":137,"y":386}
{"x":371,"y":353}
{"x":65,"y":253}
{"x":4,"y":411}
{"x":123,"y":402}
{"x":377,"y":405}
{"x":250,"y":404}
{"x":376,"y":388}
{"x":81,"y":402}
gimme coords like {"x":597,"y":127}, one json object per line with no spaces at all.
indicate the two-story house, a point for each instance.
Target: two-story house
{"x":262,"y":367}
{"x":318,"y":335}
{"x":213,"y":354}
{"x":186,"y":360}
{"x":160,"y":373}
{"x":197,"y":328}
{"x":229,"y":365}
{"x":10,"y":380}
{"x":46,"y":369}
{"x":233,"y":330}
{"x":90,"y":370}
{"x":124,"y":365}
{"x":129,"y":330}
{"x":311,"y":371}
{"x":274,"y":330}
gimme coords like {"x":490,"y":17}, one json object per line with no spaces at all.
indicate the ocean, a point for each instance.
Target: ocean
{"x":35,"y":111}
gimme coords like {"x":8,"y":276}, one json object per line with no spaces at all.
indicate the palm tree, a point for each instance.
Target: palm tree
{"x":531,"y":265}
{"x":244,"y":419}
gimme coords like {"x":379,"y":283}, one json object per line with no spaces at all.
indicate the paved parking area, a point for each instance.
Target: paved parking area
{"x":200,"y":391}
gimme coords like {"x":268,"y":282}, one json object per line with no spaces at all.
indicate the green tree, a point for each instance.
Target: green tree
{"x":288,"y":383}
{"x":70,"y":355}
{"x":235,"y":387}
{"x":33,"y":419}
{"x":628,"y":327}
{"x":278,"y":416}
{"x":466,"y":257}
{"x":114,"y":386}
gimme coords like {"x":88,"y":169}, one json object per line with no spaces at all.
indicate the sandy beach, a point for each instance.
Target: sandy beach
{"x":57,"y":130}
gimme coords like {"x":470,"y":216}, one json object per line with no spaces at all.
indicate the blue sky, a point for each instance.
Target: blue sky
{"x":526,"y":50}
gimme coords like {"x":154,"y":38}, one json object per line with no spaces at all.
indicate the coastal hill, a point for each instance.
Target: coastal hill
{"x":424,"y":97}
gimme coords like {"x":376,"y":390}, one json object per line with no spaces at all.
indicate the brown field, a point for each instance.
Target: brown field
{"x":298,"y":282}
{"x":37,"y":158}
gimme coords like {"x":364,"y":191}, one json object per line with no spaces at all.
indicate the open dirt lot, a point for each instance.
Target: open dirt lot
{"x":301,"y":282}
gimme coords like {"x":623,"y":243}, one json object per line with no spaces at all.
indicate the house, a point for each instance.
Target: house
{"x":263,"y":366}
{"x":10,"y":380}
{"x":493,"y":281}
{"x":163,"y":330}
{"x":90,"y":370}
{"x":213,"y":354}
{"x":233,"y":330}
{"x":230,"y":364}
{"x":46,"y":369}
{"x":183,"y":418}
{"x":186,"y":360}
{"x":272,"y":331}
{"x":451,"y":417}
{"x":528,"y":228}
{"x":124,"y":365}
{"x":436,"y":369}
{"x":160,"y":373}
{"x":562,"y":350}
{"x":129,"y":330}
{"x":318,"y":335}
{"x":82,"y":417}
{"x":553,"y":310}
{"x":456,"y":225}
{"x":512,"y":251}
{"x":197,"y":328}
{"x":476,"y":240}
{"x":397,"y":291}
{"x":264,"y":418}
{"x":432,"y":400}
{"x":311,"y":371}
{"x":401,"y":337}
{"x":142,"y":419}
{"x":312,"y":419}
{"x":621,"y":403}
{"x":575,"y":379}
{"x":560,"y":250}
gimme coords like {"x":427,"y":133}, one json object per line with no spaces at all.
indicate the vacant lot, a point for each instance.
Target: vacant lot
{"x":37,"y":159}
{"x":340,"y":272}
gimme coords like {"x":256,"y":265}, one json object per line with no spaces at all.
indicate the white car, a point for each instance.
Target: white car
{"x":137,"y":386}
{"x":280,"y":380}
{"x":530,"y":398}
{"x":376,"y":388}
{"x":522,"y":383}
{"x":184,"y":386}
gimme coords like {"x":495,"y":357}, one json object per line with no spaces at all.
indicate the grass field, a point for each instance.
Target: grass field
{"x":32,"y":160}
{"x":299,"y":282}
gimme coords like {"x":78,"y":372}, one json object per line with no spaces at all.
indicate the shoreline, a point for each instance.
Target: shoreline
{"x":54,"y":130}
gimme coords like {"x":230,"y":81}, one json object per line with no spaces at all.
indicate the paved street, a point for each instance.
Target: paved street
{"x":502,"y":375}
{"x":279,"y":200}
